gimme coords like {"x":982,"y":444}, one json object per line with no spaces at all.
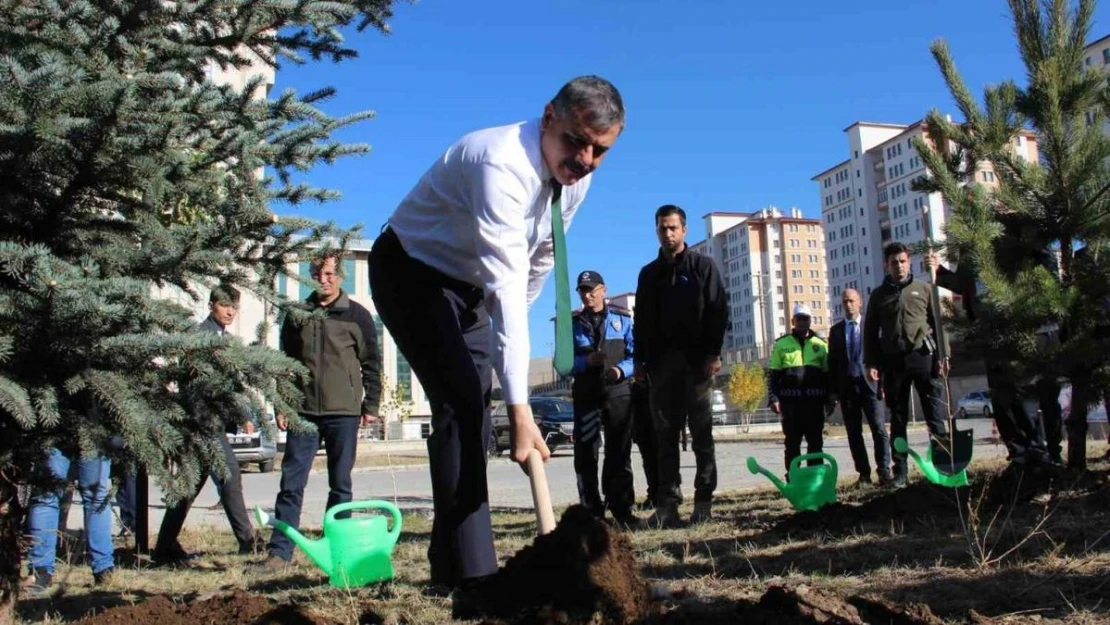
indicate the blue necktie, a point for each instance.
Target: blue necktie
{"x":853,"y":349}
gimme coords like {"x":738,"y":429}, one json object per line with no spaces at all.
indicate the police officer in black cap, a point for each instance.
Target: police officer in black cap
{"x":603,"y":402}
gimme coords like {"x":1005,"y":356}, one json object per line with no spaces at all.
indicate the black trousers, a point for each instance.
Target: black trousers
{"x":859,"y":402}
{"x":1051,"y":422}
{"x":680,"y":393}
{"x":443,"y":329}
{"x":643,"y":434}
{"x":231,"y":497}
{"x":1015,"y":414}
{"x":803,"y":418}
{"x":901,"y":373}
{"x":613,"y":415}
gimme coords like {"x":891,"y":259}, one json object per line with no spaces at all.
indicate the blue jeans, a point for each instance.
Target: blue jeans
{"x":93,"y":480}
{"x":340,"y":436}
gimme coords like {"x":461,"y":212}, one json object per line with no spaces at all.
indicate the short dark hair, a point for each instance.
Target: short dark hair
{"x":224,"y":294}
{"x":670,"y":209}
{"x":595,"y":97}
{"x":894,"y":249}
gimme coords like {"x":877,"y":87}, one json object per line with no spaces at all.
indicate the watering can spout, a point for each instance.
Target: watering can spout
{"x":753,"y":466}
{"x":317,"y":550}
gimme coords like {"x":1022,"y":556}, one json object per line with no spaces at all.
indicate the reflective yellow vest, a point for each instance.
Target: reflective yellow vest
{"x":799,"y":369}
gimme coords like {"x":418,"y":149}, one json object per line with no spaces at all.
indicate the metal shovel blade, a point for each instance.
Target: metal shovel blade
{"x":952,"y":461}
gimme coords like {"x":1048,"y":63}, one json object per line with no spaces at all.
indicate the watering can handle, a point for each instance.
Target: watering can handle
{"x":802,"y":458}
{"x":377,"y":504}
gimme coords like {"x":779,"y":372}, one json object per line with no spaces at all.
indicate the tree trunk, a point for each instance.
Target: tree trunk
{"x":11,"y":524}
{"x":1076,"y":424}
{"x":1067,"y":254}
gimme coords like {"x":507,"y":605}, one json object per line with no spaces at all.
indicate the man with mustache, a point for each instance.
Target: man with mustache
{"x":470,"y":244}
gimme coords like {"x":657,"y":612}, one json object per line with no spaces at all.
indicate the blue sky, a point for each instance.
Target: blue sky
{"x":730,"y":106}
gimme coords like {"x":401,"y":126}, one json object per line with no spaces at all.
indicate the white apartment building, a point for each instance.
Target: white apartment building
{"x":867,"y":202}
{"x":769,"y":261}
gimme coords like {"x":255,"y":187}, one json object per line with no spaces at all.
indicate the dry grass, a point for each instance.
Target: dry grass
{"x":912,"y":549}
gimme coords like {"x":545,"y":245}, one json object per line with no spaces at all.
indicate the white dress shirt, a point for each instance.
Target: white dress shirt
{"x":482,"y":214}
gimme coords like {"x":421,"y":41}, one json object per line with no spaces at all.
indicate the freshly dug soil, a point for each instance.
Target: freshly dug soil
{"x":583,"y":571}
{"x":918,"y":500}
{"x":237,"y":608}
{"x":799,"y":606}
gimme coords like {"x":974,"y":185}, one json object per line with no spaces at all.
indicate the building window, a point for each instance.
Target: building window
{"x":1106,"y":56}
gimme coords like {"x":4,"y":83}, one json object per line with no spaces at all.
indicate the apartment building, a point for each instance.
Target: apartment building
{"x":1098,"y":56}
{"x":770,"y":261}
{"x":867,"y":202}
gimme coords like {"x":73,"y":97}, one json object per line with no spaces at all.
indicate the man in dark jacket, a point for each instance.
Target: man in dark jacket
{"x":1014,"y":401}
{"x":681,"y":316}
{"x":857,"y":393}
{"x":223,"y":305}
{"x":603,"y":402}
{"x":899,"y":333}
{"x":340,"y":350}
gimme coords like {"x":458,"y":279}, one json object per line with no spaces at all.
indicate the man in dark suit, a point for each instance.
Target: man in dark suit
{"x":223,"y":305}
{"x":857,"y":393}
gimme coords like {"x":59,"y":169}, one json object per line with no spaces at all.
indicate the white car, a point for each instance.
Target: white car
{"x":976,"y":403}
{"x":717,"y":407}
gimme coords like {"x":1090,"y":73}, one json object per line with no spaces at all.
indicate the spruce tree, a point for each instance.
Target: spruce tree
{"x":125,"y":170}
{"x":1033,"y":242}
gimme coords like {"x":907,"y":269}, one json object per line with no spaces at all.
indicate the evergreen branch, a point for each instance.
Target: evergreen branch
{"x":16,"y":403}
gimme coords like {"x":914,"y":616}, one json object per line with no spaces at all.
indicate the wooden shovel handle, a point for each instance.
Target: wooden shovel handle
{"x":541,"y":496}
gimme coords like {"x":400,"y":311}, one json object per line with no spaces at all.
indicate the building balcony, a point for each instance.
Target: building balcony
{"x":880,"y":164}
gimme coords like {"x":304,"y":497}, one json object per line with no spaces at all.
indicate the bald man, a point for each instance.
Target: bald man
{"x":857,"y":393}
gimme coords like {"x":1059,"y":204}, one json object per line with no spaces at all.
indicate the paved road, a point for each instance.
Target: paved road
{"x":509,"y":487}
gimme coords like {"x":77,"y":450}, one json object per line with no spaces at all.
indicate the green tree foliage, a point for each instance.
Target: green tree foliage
{"x":124,"y":168}
{"x":1010,"y":237}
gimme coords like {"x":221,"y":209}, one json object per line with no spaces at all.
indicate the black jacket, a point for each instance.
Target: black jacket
{"x":899,"y":320}
{"x":680,"y":307}
{"x":341,"y":351}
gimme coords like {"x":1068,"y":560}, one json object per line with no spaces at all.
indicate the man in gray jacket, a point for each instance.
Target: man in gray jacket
{"x":223,"y":305}
{"x":340,"y":350}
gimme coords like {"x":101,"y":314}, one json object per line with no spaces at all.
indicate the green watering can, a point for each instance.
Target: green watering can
{"x":353,"y":552}
{"x":810,"y":487}
{"x":938,"y":465}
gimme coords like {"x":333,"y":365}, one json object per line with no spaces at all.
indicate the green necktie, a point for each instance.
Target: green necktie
{"x":564,"y":342}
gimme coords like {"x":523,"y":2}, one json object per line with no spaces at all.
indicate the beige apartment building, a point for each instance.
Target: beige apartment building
{"x":867,"y":202}
{"x":770,"y":261}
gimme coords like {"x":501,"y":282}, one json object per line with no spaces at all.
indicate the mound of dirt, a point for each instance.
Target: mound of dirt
{"x":800,"y":606}
{"x":234,"y":609}
{"x":1020,"y":485}
{"x":583,"y":571}
{"x":918,"y":500}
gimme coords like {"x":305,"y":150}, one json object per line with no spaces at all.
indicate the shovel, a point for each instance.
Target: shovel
{"x":951,"y":460}
{"x":541,"y":496}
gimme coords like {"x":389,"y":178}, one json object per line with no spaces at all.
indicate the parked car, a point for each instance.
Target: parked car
{"x":554,"y":415}
{"x":717,"y":407}
{"x":257,"y":448}
{"x":977,"y":403}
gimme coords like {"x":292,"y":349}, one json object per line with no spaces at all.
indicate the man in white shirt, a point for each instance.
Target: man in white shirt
{"x":471,"y":244}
